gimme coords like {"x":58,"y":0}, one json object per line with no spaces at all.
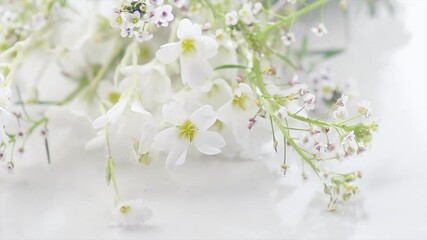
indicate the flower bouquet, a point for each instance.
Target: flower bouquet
{"x":171,"y":80}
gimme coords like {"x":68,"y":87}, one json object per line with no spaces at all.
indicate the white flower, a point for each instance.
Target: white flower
{"x":131,"y":213}
{"x":231,"y":18}
{"x":143,"y":36}
{"x":327,"y":88}
{"x":320,"y":147}
{"x":288,"y":38}
{"x":257,"y":7}
{"x":341,"y":113}
{"x":320,"y":30}
{"x":118,"y":19}
{"x":130,"y":99}
{"x":133,"y":20}
{"x":156,"y":2}
{"x":246,"y":14}
{"x":177,"y":3}
{"x":291,"y":1}
{"x":309,"y":101}
{"x":365,"y":108}
{"x":126,"y":31}
{"x":153,"y":82}
{"x":187,"y":129}
{"x":342,"y":101}
{"x":193,"y":50}
{"x":237,"y":112}
{"x":164,"y":15}
{"x":281,"y":113}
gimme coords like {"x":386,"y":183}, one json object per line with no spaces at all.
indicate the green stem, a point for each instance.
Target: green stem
{"x":294,"y":16}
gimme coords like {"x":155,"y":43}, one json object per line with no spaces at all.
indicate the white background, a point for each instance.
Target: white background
{"x":210,"y":198}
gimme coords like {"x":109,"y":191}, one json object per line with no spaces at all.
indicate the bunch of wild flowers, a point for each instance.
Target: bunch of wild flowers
{"x":135,"y":17}
{"x":227,"y":80}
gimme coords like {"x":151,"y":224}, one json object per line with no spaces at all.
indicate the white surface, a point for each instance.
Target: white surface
{"x":235,"y":199}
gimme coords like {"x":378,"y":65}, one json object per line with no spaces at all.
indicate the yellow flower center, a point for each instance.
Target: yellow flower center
{"x":240,"y":101}
{"x":124,"y":209}
{"x":135,"y":20}
{"x":187,"y":130}
{"x":114,"y":97}
{"x":119,"y":19}
{"x":188,"y":45}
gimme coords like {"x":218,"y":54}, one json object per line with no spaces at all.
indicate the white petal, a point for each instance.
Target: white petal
{"x":177,"y":155}
{"x":204,"y":117}
{"x":138,"y":108}
{"x":165,"y":139}
{"x":100,"y":122}
{"x":209,"y":143}
{"x":195,"y":72}
{"x":174,"y":114}
{"x":210,"y":47}
{"x":169,"y":53}
{"x":96,"y":142}
{"x":187,"y":29}
{"x":116,"y":111}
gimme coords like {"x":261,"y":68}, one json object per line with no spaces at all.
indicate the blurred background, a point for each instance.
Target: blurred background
{"x":386,"y":55}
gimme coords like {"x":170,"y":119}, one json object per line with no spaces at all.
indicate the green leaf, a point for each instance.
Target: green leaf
{"x":327,"y":53}
{"x":46,"y":145}
{"x":228,"y":66}
{"x":286,"y":60}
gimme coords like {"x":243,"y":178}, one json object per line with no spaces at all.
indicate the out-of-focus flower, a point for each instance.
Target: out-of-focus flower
{"x":131,"y":214}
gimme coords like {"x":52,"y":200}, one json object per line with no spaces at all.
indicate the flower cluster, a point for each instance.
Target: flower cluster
{"x":135,"y":17}
{"x":230,"y":80}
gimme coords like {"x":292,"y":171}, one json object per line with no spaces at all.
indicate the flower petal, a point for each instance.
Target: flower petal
{"x":209,"y":143}
{"x":169,"y":53}
{"x":174,"y":114}
{"x":195,"y":72}
{"x":210,"y":47}
{"x":187,"y":29}
{"x":116,"y":111}
{"x":177,"y":155}
{"x":137,"y":107}
{"x":204,"y":117}
{"x":165,"y":139}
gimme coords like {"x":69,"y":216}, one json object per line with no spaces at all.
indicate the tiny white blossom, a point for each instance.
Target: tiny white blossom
{"x":309,"y":101}
{"x":246,"y":14}
{"x":117,"y":19}
{"x":187,"y":129}
{"x":231,"y":18}
{"x":340,"y":113}
{"x":281,"y":113}
{"x":342,"y":101}
{"x":320,"y":30}
{"x":288,"y":38}
{"x":365,"y":108}
{"x":177,"y":3}
{"x":143,"y":36}
{"x":164,"y":15}
{"x":130,"y":214}
{"x":156,"y":2}
{"x":257,"y":8}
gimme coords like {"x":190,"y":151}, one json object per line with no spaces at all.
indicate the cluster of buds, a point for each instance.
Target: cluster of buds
{"x":14,"y":28}
{"x":135,"y":17}
{"x":339,"y":186}
{"x":246,"y":14}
